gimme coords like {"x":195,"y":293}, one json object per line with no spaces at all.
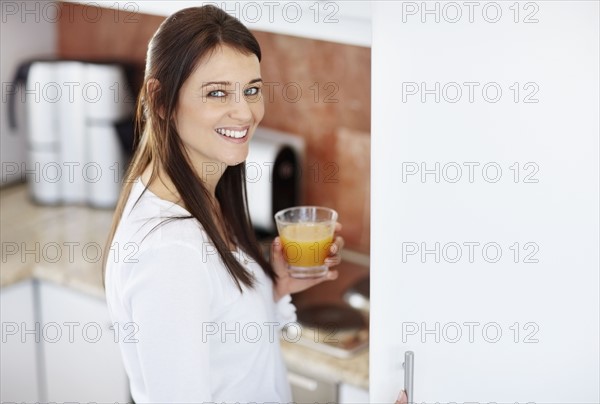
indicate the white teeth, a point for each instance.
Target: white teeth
{"x":237,"y":134}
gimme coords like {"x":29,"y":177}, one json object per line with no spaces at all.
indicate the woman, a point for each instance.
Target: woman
{"x":197,"y":304}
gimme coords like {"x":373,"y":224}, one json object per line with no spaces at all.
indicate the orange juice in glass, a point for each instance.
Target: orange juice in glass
{"x":306,"y":233}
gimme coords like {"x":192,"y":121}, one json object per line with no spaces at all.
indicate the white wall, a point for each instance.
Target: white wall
{"x":347,"y":22}
{"x":28,"y":30}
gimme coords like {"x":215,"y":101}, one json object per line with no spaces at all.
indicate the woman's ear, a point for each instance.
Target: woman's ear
{"x":152,"y":90}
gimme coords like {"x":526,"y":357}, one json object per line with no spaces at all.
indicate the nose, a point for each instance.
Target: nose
{"x":241,"y":110}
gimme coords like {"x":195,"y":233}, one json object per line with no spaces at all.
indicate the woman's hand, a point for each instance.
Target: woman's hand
{"x":288,"y":285}
{"x":402,"y":399}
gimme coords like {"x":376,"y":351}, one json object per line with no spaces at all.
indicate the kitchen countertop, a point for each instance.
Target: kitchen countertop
{"x":63,"y":244}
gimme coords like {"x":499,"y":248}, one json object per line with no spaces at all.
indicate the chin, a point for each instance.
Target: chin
{"x":234,"y":161}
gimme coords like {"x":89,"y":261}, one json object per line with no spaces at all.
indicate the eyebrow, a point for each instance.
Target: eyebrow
{"x":228,"y":83}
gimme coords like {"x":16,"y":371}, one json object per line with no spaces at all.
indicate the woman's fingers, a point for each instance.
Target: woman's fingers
{"x":402,"y":398}
{"x":277,"y":258}
{"x":333,"y":260}
{"x":330,"y":276}
{"x":339,"y":241}
{"x":335,"y":256}
{"x":337,"y":245}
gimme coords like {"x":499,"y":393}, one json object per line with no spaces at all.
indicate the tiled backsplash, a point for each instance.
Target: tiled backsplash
{"x":318,"y":90}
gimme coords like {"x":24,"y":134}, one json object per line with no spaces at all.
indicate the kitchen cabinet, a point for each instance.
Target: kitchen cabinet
{"x":484,"y":258}
{"x":81,"y":357}
{"x":348,"y":394}
{"x":18,"y":363}
{"x":309,"y":389}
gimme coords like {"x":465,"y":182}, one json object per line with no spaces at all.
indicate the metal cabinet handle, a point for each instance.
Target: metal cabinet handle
{"x":409,"y":365}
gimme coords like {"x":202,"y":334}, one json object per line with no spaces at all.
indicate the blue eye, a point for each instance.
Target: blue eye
{"x":252,"y":91}
{"x":217,"y":93}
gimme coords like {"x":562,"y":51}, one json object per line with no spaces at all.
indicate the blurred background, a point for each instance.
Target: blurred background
{"x":70,"y":75}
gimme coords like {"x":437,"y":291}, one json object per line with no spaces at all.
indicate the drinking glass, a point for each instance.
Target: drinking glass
{"x":306,"y":233}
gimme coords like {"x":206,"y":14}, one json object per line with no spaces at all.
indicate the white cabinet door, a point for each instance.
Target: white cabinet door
{"x":349,"y":394}
{"x":484,"y":257}
{"x":82,"y":359}
{"x":18,"y":364}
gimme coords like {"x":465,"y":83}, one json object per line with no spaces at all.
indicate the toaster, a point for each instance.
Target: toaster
{"x":273,"y":176}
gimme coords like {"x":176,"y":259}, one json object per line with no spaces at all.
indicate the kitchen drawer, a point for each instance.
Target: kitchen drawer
{"x":18,"y":361}
{"x":307,"y":389}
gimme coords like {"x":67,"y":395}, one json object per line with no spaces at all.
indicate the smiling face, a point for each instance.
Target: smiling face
{"x":219,"y":107}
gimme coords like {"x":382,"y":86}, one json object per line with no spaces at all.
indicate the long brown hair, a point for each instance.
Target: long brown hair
{"x":181,"y":41}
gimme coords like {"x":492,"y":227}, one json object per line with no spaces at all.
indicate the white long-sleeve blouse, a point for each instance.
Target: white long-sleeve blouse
{"x":186,"y":333}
